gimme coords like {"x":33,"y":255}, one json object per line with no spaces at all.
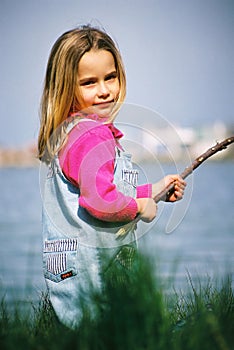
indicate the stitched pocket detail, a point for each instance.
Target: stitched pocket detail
{"x":56,"y":263}
{"x":60,"y":245}
{"x":60,"y":259}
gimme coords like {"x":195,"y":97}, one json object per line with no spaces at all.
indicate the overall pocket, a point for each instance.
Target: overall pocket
{"x":60,"y":259}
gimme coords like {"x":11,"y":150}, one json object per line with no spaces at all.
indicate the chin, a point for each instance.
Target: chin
{"x":103,"y":112}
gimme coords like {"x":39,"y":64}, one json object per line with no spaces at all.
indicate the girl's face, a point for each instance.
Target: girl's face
{"x":98,"y":82}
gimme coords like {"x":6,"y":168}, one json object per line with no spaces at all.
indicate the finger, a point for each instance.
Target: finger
{"x":179,"y":188}
{"x":181,"y":184}
{"x":178,"y":195}
{"x":177,"y":179}
{"x":180,"y":180}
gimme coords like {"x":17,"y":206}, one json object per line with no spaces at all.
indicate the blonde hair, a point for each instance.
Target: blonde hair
{"x":59,"y":96}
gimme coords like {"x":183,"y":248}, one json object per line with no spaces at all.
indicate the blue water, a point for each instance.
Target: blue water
{"x":201,"y":244}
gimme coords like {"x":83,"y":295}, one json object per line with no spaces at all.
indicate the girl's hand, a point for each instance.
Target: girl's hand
{"x":147,"y":209}
{"x":178,"y":191}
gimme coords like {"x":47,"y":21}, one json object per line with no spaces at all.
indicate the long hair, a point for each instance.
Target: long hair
{"x":60,"y":96}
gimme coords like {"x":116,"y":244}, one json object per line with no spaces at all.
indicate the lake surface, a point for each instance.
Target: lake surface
{"x":201,"y":240}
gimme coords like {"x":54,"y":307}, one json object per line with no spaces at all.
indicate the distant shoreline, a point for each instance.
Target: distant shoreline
{"x":165,"y":149}
{"x":10,"y":158}
{"x":18,"y":157}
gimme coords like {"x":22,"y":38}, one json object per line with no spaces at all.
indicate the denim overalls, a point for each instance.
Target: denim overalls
{"x":74,"y":242}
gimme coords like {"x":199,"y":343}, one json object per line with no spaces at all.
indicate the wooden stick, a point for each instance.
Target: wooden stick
{"x":168,"y":190}
{"x":220,"y":146}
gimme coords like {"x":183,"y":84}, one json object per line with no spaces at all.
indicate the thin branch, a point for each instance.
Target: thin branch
{"x":168,"y":190}
{"x":220,"y":146}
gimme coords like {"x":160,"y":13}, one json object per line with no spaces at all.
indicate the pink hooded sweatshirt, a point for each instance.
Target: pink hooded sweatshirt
{"x":88,"y":160}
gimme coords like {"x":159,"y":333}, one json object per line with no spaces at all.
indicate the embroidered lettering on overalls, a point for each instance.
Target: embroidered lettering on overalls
{"x":66,"y":275}
{"x":60,"y":245}
{"x":130,"y":176}
{"x":57,"y":263}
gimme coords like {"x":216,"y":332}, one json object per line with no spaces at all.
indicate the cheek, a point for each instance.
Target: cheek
{"x":87,"y":96}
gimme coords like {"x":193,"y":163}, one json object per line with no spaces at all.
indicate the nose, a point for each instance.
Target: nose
{"x":103,"y":90}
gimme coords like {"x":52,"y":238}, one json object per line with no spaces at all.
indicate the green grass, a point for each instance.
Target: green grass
{"x":134,"y":313}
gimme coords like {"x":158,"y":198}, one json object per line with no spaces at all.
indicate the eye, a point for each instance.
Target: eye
{"x":111,"y":76}
{"x":87,"y":83}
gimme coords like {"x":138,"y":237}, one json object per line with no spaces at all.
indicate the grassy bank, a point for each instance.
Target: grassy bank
{"x":134,"y":313}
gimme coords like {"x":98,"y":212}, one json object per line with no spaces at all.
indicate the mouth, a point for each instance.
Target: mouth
{"x":104,"y":105}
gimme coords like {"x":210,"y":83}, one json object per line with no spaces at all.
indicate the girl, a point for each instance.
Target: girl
{"x":91,"y":188}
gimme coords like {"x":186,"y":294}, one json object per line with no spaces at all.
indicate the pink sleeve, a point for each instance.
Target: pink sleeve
{"x":89,"y":163}
{"x":144,"y":191}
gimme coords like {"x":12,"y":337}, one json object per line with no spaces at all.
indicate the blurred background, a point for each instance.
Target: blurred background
{"x":179,"y":59}
{"x":178,"y":56}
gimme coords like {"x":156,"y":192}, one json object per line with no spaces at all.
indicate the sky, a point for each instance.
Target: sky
{"x":178,"y":56}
